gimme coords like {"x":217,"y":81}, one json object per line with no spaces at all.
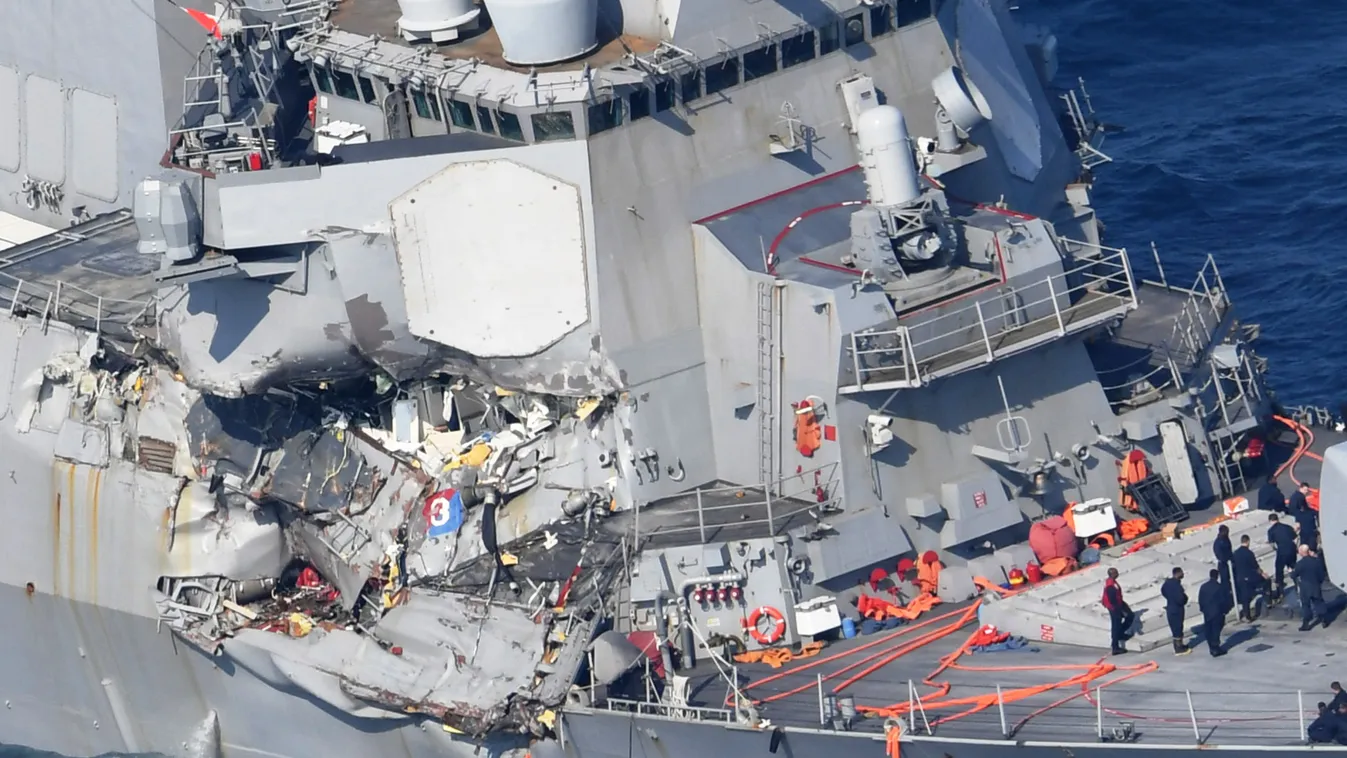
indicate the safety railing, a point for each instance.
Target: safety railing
{"x":747,"y":511}
{"x":1073,"y":716}
{"x":1089,"y":132}
{"x":64,"y":302}
{"x":210,"y":136}
{"x":1090,"y":292}
{"x":1203,"y":312}
{"x":1156,"y":717}
{"x":662,"y":710}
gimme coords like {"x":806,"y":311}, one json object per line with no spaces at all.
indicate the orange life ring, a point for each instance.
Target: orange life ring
{"x":775,"y":632}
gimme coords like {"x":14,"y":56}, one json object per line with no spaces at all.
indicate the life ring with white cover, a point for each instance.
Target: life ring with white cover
{"x":775,"y":631}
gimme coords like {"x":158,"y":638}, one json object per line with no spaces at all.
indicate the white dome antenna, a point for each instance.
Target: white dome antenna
{"x":539,"y":32}
{"x":436,"y":20}
{"x":962,"y":100}
{"x":886,"y":157}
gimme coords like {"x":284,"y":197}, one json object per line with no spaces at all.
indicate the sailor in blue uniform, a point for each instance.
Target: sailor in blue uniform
{"x":1223,"y":550}
{"x":1299,"y":499}
{"x":1309,"y":576}
{"x":1213,"y":599}
{"x":1270,"y":497}
{"x":1283,"y":538}
{"x":1306,"y":517}
{"x":1176,"y":601}
{"x":1249,"y":577}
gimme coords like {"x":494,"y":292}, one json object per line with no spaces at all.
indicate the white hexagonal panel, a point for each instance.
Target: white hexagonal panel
{"x":493,"y":258}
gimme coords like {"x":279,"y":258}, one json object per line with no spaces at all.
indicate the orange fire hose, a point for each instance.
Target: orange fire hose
{"x":1306,"y":438}
{"x":836,"y":656}
{"x":1088,"y":677}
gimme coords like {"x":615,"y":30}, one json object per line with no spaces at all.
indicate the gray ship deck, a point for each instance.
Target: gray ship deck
{"x":1254,"y":696}
{"x":89,"y":275}
{"x":1091,"y":309}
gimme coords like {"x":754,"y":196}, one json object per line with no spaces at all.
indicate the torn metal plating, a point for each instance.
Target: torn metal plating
{"x":435,"y":549}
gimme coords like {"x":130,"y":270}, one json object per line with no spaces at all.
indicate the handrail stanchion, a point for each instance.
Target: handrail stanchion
{"x":1099,"y":711}
{"x":1001,"y":706}
{"x":1300,"y":710}
{"x":1056,"y":309}
{"x":701,"y":520}
{"x":986,"y":340}
{"x":1197,"y":733}
{"x":821,"y":719}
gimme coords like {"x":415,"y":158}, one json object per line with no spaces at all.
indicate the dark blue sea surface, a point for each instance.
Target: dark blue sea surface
{"x":1234,"y":144}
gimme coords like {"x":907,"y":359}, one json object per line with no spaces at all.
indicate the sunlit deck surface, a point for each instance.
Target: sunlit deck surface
{"x":807,"y":229}
{"x":380,"y":17}
{"x":1252,"y":696}
{"x":89,"y":275}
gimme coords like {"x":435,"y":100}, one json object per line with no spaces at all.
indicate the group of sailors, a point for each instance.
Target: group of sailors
{"x":1331,"y":723}
{"x":1237,"y":580}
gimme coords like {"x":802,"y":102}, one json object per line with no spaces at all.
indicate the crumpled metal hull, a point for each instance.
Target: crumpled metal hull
{"x":81,"y":680}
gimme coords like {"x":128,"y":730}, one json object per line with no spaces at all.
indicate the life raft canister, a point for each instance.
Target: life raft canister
{"x":776,"y":629}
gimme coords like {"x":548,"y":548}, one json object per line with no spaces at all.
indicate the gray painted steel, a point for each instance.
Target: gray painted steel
{"x":515,"y":359}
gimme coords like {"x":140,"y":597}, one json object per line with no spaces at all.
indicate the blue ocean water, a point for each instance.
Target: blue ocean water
{"x":1235,"y":143}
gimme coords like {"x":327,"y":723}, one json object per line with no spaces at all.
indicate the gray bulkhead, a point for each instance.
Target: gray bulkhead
{"x":88,"y":92}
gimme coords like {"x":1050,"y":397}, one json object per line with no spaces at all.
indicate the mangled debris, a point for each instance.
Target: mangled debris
{"x":430,"y":550}
{"x":442,"y":549}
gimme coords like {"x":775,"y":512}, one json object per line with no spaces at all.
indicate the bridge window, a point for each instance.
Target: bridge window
{"x":912,"y":11}
{"x":484,"y":119}
{"x":422,"y":105}
{"x":509,"y":126}
{"x":853,"y":29}
{"x":881,"y":20}
{"x":460,"y":114}
{"x":322,"y":80}
{"x":638,"y":104}
{"x":829,"y":39}
{"x":722,"y":76}
{"x":759,"y":63}
{"x":604,"y":116}
{"x":664,"y":95}
{"x":795,"y":50}
{"x":344,"y":84}
{"x":366,"y":89}
{"x":690,"y":85}
{"x":557,"y":125}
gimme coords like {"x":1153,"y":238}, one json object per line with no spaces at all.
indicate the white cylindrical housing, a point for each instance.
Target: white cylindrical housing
{"x":538,"y":32}
{"x":886,"y":157}
{"x":947,"y":140}
{"x":426,"y":16}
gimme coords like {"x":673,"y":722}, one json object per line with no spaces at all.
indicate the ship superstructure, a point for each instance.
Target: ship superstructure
{"x":450,"y":348}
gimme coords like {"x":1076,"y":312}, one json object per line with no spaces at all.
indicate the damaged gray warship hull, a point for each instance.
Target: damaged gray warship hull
{"x":543,"y":377}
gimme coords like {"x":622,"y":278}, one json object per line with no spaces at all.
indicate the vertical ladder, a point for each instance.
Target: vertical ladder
{"x":765,"y":401}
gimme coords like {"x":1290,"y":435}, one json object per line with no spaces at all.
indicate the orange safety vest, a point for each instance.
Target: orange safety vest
{"x":928,"y":577}
{"x":1132,"y":469}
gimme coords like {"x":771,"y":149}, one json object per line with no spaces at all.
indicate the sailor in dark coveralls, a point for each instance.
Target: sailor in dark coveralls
{"x":1224,"y":552}
{"x":1119,"y":615}
{"x":1309,"y":576}
{"x":1283,"y":537}
{"x":1249,"y":577}
{"x":1270,"y":497}
{"x":1306,"y":517}
{"x":1176,"y":601}
{"x":1213,"y":599}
